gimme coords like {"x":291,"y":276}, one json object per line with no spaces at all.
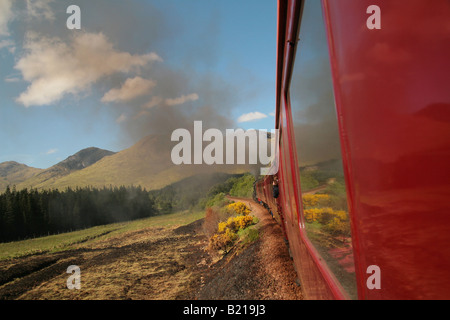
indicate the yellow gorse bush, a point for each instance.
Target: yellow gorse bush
{"x":222,"y":226}
{"x":324,"y":215}
{"x":222,"y":241}
{"x":312,"y":214}
{"x":316,"y":208}
{"x":338,"y":227}
{"x":235,"y":223}
{"x":334,"y":222}
{"x":312,"y":200}
{"x":226,"y":233}
{"x":239,"y":208}
{"x":243,"y":221}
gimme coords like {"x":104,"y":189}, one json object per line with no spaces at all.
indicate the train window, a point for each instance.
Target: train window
{"x":322,"y":185}
{"x":289,"y":194}
{"x":285,"y":175}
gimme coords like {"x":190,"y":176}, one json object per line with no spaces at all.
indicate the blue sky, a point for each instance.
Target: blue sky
{"x":135,"y":68}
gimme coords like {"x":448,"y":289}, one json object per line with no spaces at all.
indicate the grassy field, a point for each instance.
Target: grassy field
{"x":156,"y":258}
{"x":159,"y":258}
{"x":67,"y":241}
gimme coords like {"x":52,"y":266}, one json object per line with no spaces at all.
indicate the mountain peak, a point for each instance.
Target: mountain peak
{"x":12,"y":172}
{"x":9,"y":167}
{"x":84,"y":158}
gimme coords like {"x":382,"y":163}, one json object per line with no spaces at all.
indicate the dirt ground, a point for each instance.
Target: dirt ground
{"x":160,"y":264}
{"x":264,"y":271}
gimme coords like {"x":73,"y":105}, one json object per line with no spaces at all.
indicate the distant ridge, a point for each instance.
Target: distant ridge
{"x":80,"y":160}
{"x":12,"y":173}
{"x":147,"y":164}
{"x":83,"y":159}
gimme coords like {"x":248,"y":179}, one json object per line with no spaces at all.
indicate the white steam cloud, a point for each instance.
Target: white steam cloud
{"x":131,"y":89}
{"x":182,"y":99}
{"x":40,"y":9}
{"x":55,"y":68}
{"x":252,"y":116}
{"x":6,"y":15}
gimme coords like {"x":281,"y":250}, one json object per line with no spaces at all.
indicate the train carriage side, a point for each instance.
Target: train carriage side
{"x":390,"y":79}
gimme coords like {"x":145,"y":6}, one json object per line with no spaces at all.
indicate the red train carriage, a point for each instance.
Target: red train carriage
{"x":389,"y":78}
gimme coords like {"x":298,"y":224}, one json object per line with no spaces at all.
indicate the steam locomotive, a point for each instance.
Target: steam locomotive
{"x":389,"y":72}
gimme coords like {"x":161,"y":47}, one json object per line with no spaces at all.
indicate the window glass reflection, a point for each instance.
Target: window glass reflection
{"x":324,"y":198}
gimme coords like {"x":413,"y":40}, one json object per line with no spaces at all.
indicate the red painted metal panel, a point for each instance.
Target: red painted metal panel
{"x":393,"y":102}
{"x":392,"y":89}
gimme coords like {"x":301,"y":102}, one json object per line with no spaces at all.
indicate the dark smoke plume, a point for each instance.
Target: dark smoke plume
{"x":312,"y":99}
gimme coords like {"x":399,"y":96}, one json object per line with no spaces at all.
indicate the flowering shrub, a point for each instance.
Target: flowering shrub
{"x":338,"y":227}
{"x":226,"y":233}
{"x":222,"y":227}
{"x":324,"y":215}
{"x":239,"y":208}
{"x":223,"y":241}
{"x":312,"y":200}
{"x":235,"y":223}
{"x":243,"y":221}
{"x":334,"y":222}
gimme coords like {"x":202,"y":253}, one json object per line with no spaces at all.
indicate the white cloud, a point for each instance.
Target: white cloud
{"x":36,"y":9}
{"x":40,"y":9}
{"x":182,"y":99}
{"x":132,"y":88}
{"x":51,"y":151}
{"x":6,"y":43}
{"x":252,"y":116}
{"x":55,"y":68}
{"x":6,"y":15}
{"x":155,"y":100}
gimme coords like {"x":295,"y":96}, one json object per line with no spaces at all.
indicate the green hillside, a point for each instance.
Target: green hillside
{"x":189,"y":192}
{"x":13,"y":173}
{"x":147,"y":163}
{"x":81,"y":160}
